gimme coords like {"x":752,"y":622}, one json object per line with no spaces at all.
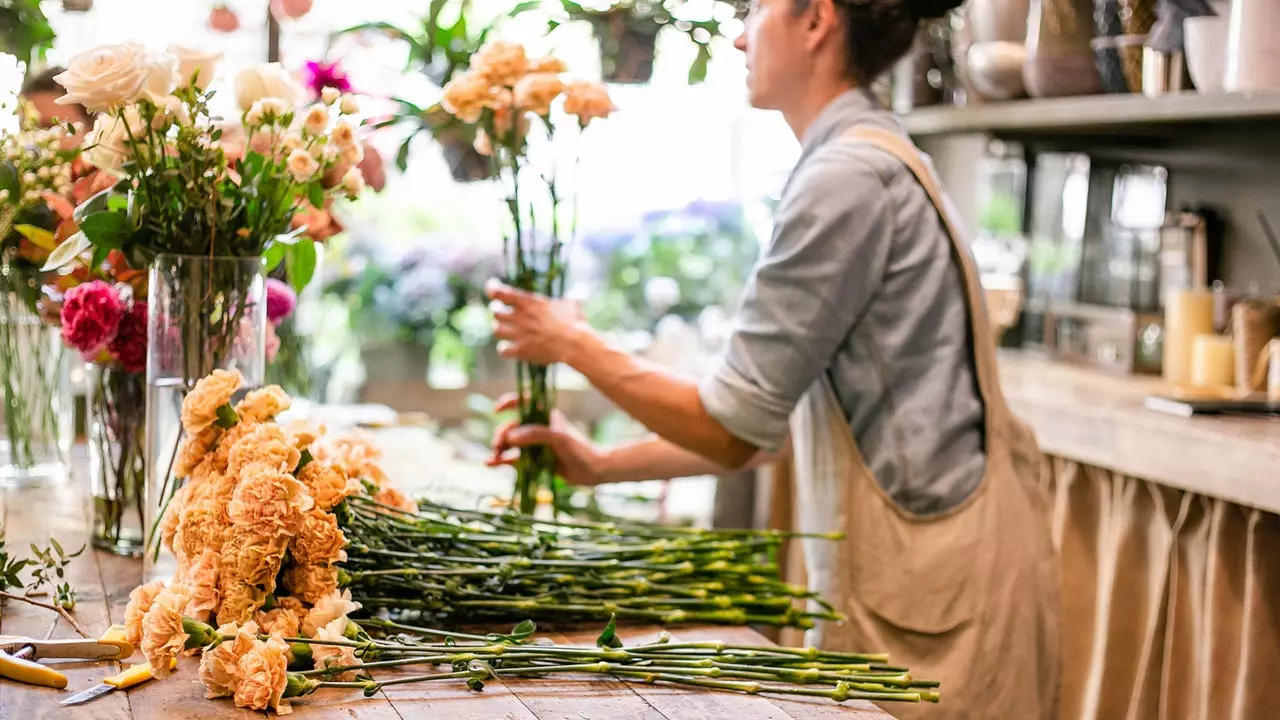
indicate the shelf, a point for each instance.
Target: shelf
{"x":1095,"y":113}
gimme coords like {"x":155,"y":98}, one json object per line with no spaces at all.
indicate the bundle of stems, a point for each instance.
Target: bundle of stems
{"x":456,"y":566}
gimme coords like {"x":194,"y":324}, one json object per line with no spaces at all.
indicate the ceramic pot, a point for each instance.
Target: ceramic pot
{"x":1206,"y":50}
{"x":995,"y":69}
{"x":1059,"y":58}
{"x":1253,"y":46}
{"x":998,"y":20}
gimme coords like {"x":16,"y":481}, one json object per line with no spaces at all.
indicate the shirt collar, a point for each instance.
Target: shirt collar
{"x":845,"y":110}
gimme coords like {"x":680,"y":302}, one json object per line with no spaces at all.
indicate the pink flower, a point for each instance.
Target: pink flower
{"x":129,"y":346}
{"x":290,"y":9}
{"x":281,"y":301}
{"x":321,"y":75}
{"x":224,"y":19}
{"x":273,"y":343}
{"x":91,"y":314}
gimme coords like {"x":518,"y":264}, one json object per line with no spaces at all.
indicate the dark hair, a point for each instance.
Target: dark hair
{"x":43,"y":82}
{"x":879,"y":32}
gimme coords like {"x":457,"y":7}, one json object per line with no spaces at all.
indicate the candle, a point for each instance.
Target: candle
{"x":1212,"y":361}
{"x":1188,"y":313}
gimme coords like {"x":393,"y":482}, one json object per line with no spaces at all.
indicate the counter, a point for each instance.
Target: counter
{"x":1099,"y":420}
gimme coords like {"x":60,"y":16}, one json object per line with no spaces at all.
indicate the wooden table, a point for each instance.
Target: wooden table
{"x":103,"y":583}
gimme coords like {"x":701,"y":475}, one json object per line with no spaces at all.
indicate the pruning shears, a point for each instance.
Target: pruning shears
{"x":18,"y":655}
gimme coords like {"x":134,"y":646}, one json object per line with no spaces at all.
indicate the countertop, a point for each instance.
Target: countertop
{"x":1099,"y":419}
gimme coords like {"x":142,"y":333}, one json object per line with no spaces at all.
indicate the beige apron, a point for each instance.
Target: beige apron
{"x":968,"y":597}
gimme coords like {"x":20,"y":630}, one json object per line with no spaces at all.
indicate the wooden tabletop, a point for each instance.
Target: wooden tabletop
{"x":103,"y":583}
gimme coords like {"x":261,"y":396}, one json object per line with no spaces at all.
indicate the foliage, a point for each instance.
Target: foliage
{"x":25,"y":32}
{"x":49,"y":571}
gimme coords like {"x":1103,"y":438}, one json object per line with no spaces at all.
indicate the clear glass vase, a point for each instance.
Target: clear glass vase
{"x":205,"y":314}
{"x":116,"y":405}
{"x":36,"y":425}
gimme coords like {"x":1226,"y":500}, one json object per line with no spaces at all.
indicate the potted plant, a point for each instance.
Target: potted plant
{"x":627,"y":31}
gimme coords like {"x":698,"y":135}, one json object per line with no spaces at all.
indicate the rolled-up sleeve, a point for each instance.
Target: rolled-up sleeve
{"x":830,"y":246}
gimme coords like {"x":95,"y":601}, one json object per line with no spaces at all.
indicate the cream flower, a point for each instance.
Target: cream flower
{"x":200,"y":406}
{"x":535,"y":92}
{"x":344,"y":133}
{"x":330,"y":95}
{"x":319,"y":539}
{"x":140,"y":600}
{"x":392,"y":497}
{"x":310,"y":583}
{"x":334,"y":605}
{"x":274,"y":108}
{"x":160,"y":79}
{"x":352,"y":154}
{"x":316,"y":120}
{"x":280,"y":621}
{"x":327,"y":656}
{"x":108,"y":147}
{"x":350,"y":106}
{"x":268,"y":80}
{"x":220,"y":667}
{"x":105,"y":78}
{"x":327,"y":483}
{"x":261,"y":141}
{"x":353,"y":182}
{"x":502,"y":62}
{"x":587,"y":100}
{"x":264,"y":674}
{"x":269,"y":500}
{"x":202,"y":578}
{"x":302,"y":166}
{"x":162,"y":634}
{"x":266,"y":445}
{"x":195,"y":65}
{"x":467,"y":95}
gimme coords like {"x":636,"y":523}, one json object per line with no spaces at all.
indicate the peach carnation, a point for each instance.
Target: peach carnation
{"x":310,"y":583}
{"x":266,"y":445}
{"x":280,"y":621}
{"x":163,"y":636}
{"x":535,"y":92}
{"x":240,"y":601}
{"x":202,"y":578}
{"x":587,"y":100}
{"x":392,"y":497}
{"x":327,"y":483}
{"x":269,"y":500}
{"x":327,"y":656}
{"x":219,"y":667}
{"x":356,"y":454}
{"x":502,"y":62}
{"x":200,"y":406}
{"x":251,"y":558}
{"x":263,"y":404}
{"x":467,"y":95}
{"x":172,"y":515}
{"x":264,"y":674}
{"x":334,"y":605}
{"x":140,"y":600}
{"x":319,"y":539}
{"x":546,"y":64}
{"x":304,"y":433}
{"x":222,"y":453}
{"x":193,"y":450}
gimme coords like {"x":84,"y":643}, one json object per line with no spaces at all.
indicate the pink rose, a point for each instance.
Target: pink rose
{"x":91,"y":314}
{"x":281,"y":301}
{"x":129,"y":346}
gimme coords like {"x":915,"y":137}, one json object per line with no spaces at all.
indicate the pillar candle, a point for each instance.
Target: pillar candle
{"x":1212,"y":361}
{"x":1188,"y":313}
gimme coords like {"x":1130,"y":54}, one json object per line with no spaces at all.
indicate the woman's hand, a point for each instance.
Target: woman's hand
{"x":534,"y":328}
{"x":577,"y":460}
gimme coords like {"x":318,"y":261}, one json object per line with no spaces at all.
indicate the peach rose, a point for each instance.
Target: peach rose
{"x":264,"y":673}
{"x":220,"y":667}
{"x":266,"y":445}
{"x":334,"y":605}
{"x":316,"y":120}
{"x":587,"y":100}
{"x":140,"y":600}
{"x":327,"y":656}
{"x":536,"y":91}
{"x":202,"y":578}
{"x":200,"y":406}
{"x":162,"y":634}
{"x":319,"y":539}
{"x":310,"y":583}
{"x":269,"y":500}
{"x":327,"y":483}
{"x":501,"y":62}
{"x":344,"y":134}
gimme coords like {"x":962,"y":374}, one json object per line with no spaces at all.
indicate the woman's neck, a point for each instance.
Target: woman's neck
{"x":806,"y":110}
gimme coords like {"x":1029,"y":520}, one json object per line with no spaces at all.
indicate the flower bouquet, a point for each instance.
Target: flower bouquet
{"x":502,"y":95}
{"x":275,"y":519}
{"x":207,"y":219}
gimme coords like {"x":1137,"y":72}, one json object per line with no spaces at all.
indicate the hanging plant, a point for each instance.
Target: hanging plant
{"x":627,"y":31}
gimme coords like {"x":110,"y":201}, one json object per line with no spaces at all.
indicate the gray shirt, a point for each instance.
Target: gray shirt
{"x":859,"y":282}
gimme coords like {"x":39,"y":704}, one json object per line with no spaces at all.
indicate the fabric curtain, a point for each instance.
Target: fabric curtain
{"x":1171,"y":600}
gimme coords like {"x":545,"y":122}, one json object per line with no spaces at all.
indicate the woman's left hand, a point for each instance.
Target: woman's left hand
{"x":534,"y":328}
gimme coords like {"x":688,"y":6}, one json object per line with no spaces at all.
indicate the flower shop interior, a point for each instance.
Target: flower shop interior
{"x":472,"y":358}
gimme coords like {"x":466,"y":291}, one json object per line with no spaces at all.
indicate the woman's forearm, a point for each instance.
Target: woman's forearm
{"x":664,"y":403}
{"x":657,"y":459}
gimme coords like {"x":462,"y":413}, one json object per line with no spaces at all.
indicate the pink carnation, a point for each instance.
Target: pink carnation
{"x":130,"y":343}
{"x":91,"y":314}
{"x":281,"y":301}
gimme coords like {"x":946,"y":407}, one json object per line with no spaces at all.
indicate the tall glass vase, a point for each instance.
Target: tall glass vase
{"x":36,"y":423}
{"x":205,"y":314}
{"x":117,"y":410}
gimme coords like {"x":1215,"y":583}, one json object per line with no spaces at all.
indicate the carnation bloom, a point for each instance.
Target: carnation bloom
{"x":327,"y":656}
{"x":501,"y":62}
{"x":200,"y":406}
{"x":266,"y":445}
{"x":327,"y":483}
{"x":219,"y":667}
{"x":588,"y":100}
{"x":202,"y":578}
{"x":392,"y":497}
{"x":264,"y":674}
{"x":304,"y":433}
{"x":310,"y":583}
{"x":129,"y":346}
{"x":91,"y":314}
{"x":319,"y":539}
{"x":140,"y":599}
{"x":193,"y":450}
{"x":263,"y":404}
{"x":251,"y":558}
{"x":281,"y":300}
{"x":268,"y":500}
{"x":163,"y":636}
{"x":280,"y":621}
{"x":239,"y":602}
{"x":334,"y":605}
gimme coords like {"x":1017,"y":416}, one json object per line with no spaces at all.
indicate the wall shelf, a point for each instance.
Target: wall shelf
{"x":1095,"y":114}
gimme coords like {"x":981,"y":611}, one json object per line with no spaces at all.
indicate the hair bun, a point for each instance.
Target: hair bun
{"x":931,"y":9}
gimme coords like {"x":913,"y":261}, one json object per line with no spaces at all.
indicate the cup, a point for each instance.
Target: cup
{"x":1212,"y":362}
{"x":1205,"y":39}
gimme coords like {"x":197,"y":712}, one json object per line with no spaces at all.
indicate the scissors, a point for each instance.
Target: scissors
{"x":18,"y":655}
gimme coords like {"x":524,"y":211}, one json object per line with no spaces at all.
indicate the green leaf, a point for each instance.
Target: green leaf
{"x":402,"y":157}
{"x":38,"y":236}
{"x":523,"y":630}
{"x":106,"y":229}
{"x":273,"y":255}
{"x":698,"y":69}
{"x":98,"y":202}
{"x":315,"y":194}
{"x":9,"y":180}
{"x":524,"y":7}
{"x":300,"y":264}
{"x":609,"y":638}
{"x":68,"y":251}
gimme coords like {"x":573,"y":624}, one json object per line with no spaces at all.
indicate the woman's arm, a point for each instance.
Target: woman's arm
{"x":657,"y":459}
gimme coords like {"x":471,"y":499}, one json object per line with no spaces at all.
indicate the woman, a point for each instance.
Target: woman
{"x":863,"y":344}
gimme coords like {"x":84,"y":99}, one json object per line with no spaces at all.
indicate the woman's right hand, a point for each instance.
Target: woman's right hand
{"x":578,"y":461}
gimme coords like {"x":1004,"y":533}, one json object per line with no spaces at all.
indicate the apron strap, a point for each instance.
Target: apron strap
{"x":980,"y":329}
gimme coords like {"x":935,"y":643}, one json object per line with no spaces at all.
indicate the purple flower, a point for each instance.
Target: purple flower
{"x":321,"y":75}
{"x":281,"y":301}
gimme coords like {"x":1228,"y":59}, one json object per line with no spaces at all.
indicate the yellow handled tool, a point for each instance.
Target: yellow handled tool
{"x":18,"y":655}
{"x":133,"y":676}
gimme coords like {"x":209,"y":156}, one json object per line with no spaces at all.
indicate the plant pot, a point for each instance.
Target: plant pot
{"x":396,"y":362}
{"x":627,"y":47}
{"x":117,"y":415}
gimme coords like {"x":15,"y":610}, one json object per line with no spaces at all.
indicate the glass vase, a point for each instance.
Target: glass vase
{"x":204,"y":314}
{"x":37,"y":423}
{"x":116,"y":404}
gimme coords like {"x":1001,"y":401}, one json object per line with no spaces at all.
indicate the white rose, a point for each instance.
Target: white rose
{"x":274,"y":107}
{"x":352,"y":154}
{"x":353,"y":182}
{"x":267,"y":80}
{"x":195,"y":65}
{"x":350,"y":106}
{"x":317,"y":119}
{"x":173,"y":111}
{"x":108,"y":144}
{"x":302,"y":165}
{"x":105,"y":77}
{"x":160,"y":80}
{"x":344,"y":133}
{"x":255,"y":116}
{"x":330,"y":95}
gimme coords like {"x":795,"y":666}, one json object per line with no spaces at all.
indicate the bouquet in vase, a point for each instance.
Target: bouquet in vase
{"x":207,"y":215}
{"x":505,"y":93}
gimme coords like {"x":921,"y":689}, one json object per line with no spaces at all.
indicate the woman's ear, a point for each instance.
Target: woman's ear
{"x":822,"y":23}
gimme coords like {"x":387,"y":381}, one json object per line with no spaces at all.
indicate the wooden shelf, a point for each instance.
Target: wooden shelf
{"x":1095,"y":113}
